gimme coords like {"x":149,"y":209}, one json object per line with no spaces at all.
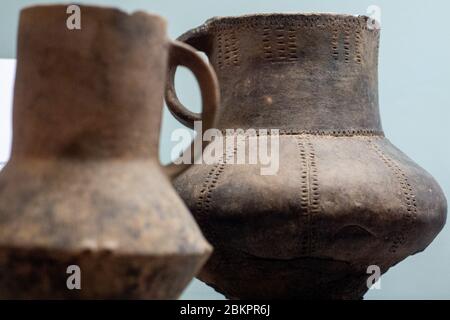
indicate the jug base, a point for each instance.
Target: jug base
{"x":248,"y":277}
{"x":34,"y":273}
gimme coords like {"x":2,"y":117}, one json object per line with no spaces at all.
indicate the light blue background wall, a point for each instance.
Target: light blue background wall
{"x":414,"y":100}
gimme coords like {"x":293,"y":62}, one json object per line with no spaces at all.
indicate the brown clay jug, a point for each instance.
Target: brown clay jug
{"x":344,"y":198}
{"x":83,"y":190}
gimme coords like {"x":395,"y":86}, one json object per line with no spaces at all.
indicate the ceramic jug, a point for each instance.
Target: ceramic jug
{"x":86,"y":210}
{"x":345,"y":200}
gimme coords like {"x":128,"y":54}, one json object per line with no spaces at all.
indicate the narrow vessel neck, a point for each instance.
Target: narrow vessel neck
{"x":90,"y":93}
{"x":296,"y":72}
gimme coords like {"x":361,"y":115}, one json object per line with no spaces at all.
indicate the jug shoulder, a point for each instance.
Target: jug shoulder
{"x":327,"y":192}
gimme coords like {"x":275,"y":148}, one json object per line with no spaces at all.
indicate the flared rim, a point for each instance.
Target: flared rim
{"x":288,"y":16}
{"x":49,"y":7}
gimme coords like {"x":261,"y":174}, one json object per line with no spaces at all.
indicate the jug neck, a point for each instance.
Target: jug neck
{"x":310,"y":73}
{"x":90,"y":93}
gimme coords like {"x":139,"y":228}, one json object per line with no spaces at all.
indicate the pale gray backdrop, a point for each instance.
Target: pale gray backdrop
{"x":414,"y":98}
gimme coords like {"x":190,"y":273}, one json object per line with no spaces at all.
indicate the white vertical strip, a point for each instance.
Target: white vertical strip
{"x":7,"y":73}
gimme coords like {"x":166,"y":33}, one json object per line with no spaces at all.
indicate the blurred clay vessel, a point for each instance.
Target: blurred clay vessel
{"x":84,"y":185}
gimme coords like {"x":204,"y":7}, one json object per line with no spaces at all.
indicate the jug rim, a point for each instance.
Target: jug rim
{"x":288,"y":16}
{"x":312,"y":20}
{"x":33,"y":8}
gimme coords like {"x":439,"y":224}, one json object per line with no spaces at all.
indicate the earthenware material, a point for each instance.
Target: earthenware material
{"x":84,"y":185}
{"x":344,"y":197}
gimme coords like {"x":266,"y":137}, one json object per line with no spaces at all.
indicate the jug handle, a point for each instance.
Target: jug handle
{"x":181,"y":54}
{"x":199,"y":38}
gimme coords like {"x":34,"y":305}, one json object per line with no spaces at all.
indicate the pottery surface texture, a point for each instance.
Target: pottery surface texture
{"x":84,"y":185}
{"x":344,"y":198}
